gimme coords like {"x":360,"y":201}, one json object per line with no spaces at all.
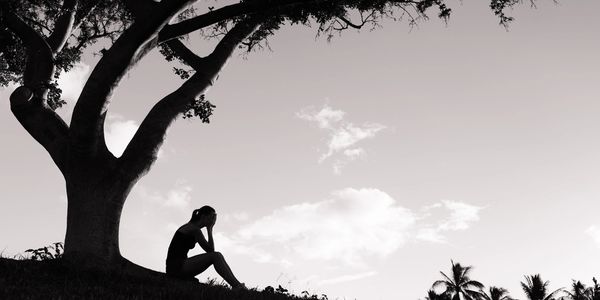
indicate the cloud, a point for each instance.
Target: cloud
{"x":594,"y":232}
{"x":238,"y":246}
{"x":72,"y":82}
{"x":346,"y":278}
{"x":324,"y":118}
{"x":353,"y":154}
{"x":118,"y":133}
{"x":430,"y":234}
{"x":347,"y":135}
{"x":461,"y":216}
{"x":179,"y":197}
{"x":236,"y":216}
{"x":343,"y":135}
{"x":349,"y":227}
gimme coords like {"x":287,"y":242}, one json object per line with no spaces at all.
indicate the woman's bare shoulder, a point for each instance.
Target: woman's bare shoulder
{"x":188,"y":228}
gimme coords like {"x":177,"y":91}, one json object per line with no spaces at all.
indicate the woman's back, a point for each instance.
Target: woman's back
{"x":183,"y":240}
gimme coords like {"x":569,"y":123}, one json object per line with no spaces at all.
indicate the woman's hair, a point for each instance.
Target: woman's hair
{"x":202,"y":211}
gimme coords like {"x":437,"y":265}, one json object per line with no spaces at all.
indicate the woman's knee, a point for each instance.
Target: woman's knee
{"x":216,"y":255}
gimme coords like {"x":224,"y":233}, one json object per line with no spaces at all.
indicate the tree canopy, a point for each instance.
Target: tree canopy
{"x":93,"y":21}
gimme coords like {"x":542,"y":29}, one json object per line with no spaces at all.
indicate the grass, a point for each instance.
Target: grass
{"x":55,"y":279}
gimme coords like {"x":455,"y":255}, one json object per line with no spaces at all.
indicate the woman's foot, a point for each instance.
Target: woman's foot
{"x":239,"y":287}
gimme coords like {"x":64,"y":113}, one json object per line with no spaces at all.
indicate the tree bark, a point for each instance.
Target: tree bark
{"x":96,"y":192}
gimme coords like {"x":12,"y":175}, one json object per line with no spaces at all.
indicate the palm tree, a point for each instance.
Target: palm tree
{"x":579,"y":291}
{"x":595,"y":290}
{"x":432,"y":295}
{"x":537,"y":289}
{"x":496,"y":293}
{"x":459,"y":285}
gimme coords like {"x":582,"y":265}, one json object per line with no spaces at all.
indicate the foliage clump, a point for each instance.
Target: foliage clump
{"x":53,"y":251}
{"x":106,"y":21}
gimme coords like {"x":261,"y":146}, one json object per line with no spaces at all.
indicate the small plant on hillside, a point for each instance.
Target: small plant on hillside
{"x":53,"y":251}
{"x":279,"y":290}
{"x":307,"y":295}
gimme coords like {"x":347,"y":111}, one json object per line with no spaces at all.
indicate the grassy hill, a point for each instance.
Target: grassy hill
{"x":54,"y":279}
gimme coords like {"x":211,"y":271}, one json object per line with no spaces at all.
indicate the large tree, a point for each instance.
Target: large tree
{"x":40,"y":39}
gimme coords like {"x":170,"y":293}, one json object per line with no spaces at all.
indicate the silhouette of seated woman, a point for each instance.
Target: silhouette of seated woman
{"x":179,"y":265}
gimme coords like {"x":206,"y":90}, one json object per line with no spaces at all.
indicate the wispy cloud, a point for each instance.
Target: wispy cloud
{"x":343,"y":135}
{"x":594,"y":232}
{"x":239,"y":246}
{"x":348,"y":227}
{"x":177,"y":197}
{"x":461,"y":217}
{"x":118,"y":133}
{"x":325,"y":117}
{"x":235,"y":216}
{"x":346,"y":278}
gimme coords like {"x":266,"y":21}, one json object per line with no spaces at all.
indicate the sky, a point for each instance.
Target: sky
{"x":361,"y":167}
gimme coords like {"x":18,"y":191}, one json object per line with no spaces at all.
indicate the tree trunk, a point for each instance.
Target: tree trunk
{"x":96,"y":194}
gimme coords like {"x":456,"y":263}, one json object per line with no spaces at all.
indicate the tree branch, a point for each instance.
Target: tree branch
{"x":185,"y":54}
{"x":63,"y":26}
{"x":139,"y":9}
{"x":349,"y":23}
{"x":142,"y":151}
{"x":28,"y":102}
{"x":130,"y":47}
{"x":40,"y":60}
{"x":224,"y":13}
{"x":38,"y":23}
{"x":42,"y":123}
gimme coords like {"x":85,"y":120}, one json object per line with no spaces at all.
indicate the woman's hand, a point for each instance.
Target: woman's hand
{"x":212,"y":221}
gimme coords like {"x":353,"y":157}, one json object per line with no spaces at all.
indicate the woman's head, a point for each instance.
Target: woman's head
{"x":203,"y":213}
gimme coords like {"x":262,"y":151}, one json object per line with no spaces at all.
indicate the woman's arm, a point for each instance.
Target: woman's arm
{"x":209,"y":245}
{"x":209,"y":229}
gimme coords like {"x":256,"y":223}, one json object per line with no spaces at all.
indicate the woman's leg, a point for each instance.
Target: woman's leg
{"x":199,"y":263}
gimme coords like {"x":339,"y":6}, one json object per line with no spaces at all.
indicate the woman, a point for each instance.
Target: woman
{"x":186,"y":237}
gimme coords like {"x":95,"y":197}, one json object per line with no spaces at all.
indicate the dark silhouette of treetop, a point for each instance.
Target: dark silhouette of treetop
{"x":41,"y":39}
{"x":496,"y":293}
{"x":458,"y":284}
{"x":537,"y":289}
